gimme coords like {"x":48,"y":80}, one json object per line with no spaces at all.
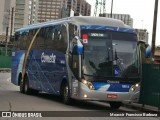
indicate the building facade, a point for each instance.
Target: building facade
{"x":83,"y":8}
{"x":27,"y":12}
{"x":49,"y":10}
{"x":5,"y":18}
{"x":21,"y":14}
{"x":87,"y":9}
{"x":123,"y":17}
{"x":33,"y":12}
{"x":76,"y":8}
{"x":142,"y":35}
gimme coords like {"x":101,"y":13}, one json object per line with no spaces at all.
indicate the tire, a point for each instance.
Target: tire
{"x":65,"y":94}
{"x":27,"y":90}
{"x":21,"y":86}
{"x":115,"y":105}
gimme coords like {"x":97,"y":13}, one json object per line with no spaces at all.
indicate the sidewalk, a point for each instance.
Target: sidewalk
{"x":139,"y":106}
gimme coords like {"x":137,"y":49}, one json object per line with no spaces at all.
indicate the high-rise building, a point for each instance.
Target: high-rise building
{"x":87,"y":9}
{"x":83,"y":8}
{"x":21,"y":18}
{"x":78,"y":7}
{"x":68,"y":8}
{"x":49,"y":10}
{"x":33,"y":11}
{"x":72,"y":4}
{"x":5,"y":14}
{"x":72,"y":7}
{"x":5,"y":17}
{"x":63,"y":11}
{"x":123,"y":17}
{"x":53,"y":9}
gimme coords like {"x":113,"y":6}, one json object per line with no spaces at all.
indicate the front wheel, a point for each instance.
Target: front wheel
{"x":115,"y":105}
{"x":65,"y":94}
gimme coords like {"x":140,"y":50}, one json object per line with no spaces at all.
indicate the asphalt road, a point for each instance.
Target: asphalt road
{"x":12,"y":100}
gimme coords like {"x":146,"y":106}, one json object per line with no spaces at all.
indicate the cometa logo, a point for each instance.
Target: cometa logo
{"x":48,"y":58}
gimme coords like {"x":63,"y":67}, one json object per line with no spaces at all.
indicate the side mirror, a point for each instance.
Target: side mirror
{"x":77,"y":46}
{"x":148,"y":51}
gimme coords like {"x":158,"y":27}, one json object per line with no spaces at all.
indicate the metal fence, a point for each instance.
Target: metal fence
{"x":5,"y":57}
{"x":150,"y":86}
{"x":5,"y":61}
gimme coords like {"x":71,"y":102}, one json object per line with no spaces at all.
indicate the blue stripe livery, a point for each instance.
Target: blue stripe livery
{"x":96,"y":27}
{"x":111,"y":87}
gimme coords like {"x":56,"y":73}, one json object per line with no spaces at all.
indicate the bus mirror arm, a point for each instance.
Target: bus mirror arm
{"x":77,"y":46}
{"x":147,"y":48}
{"x":148,"y":51}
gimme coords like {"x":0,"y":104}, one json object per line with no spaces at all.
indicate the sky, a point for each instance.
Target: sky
{"x":142,"y":12}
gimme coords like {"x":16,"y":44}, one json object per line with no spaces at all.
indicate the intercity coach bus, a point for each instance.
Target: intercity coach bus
{"x":83,"y":58}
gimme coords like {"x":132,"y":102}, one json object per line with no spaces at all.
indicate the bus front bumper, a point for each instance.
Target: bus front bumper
{"x":82,"y":92}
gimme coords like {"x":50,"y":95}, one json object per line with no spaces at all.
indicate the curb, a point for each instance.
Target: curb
{"x":3,"y":70}
{"x":142,"y":107}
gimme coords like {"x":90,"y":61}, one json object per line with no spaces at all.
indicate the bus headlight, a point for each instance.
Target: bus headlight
{"x":133,"y":87}
{"x":88,"y":84}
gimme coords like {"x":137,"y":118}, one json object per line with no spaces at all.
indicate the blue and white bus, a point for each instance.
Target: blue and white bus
{"x":83,"y":58}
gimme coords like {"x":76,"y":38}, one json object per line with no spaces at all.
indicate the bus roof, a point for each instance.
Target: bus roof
{"x":79,"y":20}
{"x":104,"y":21}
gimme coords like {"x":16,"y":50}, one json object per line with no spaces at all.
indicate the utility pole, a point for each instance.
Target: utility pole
{"x":154,"y":27}
{"x":111,"y":8}
{"x":6,"y":40}
{"x":6,"y":33}
{"x":101,"y":6}
{"x":96,"y":7}
{"x":11,"y":28}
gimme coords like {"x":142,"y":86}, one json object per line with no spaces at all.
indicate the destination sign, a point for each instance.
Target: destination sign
{"x":98,"y":35}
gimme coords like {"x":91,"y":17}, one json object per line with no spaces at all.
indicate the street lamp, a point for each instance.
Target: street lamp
{"x":111,"y":8}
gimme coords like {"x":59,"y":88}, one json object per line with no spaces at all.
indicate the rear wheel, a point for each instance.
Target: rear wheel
{"x":65,"y":93}
{"x":24,"y":87}
{"x":27,"y":90}
{"x":21,"y":86}
{"x":115,"y":105}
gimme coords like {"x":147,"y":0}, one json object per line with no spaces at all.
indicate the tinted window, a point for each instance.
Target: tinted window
{"x":73,"y":31}
{"x":21,"y":40}
{"x":52,"y":37}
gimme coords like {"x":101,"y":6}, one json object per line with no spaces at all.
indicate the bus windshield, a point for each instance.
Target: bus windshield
{"x":111,"y":54}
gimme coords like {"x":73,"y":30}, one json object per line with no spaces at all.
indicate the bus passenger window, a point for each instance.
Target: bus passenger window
{"x":63,"y":38}
{"x":73,"y":31}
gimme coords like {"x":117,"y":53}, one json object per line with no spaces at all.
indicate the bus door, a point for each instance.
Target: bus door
{"x":75,"y":58}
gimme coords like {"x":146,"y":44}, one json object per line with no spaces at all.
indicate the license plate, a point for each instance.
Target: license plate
{"x":112,"y":96}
